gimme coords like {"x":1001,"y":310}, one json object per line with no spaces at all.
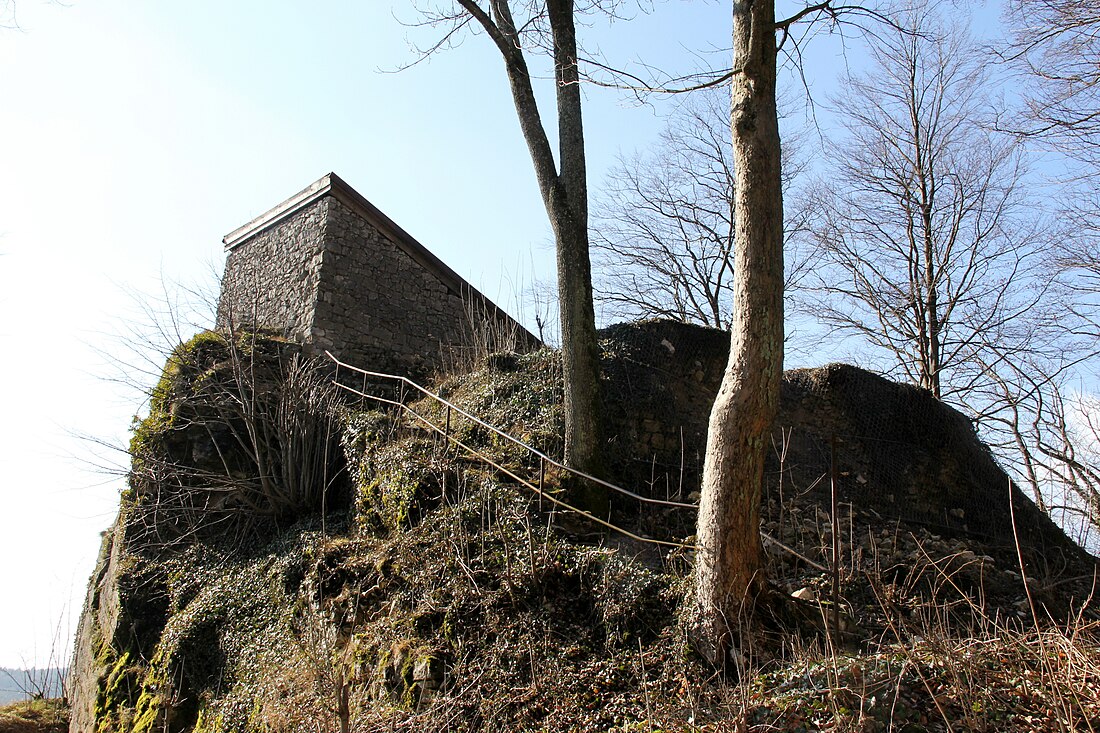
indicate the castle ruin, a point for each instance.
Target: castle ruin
{"x":327,"y":269}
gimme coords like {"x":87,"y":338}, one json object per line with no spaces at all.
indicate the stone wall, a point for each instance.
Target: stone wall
{"x":330,"y":271}
{"x":271,"y":280}
{"x":899,"y":450}
{"x":662,"y":377}
{"x":381,"y":309}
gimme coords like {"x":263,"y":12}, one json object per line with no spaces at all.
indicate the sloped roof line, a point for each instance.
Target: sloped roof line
{"x":332,"y":185}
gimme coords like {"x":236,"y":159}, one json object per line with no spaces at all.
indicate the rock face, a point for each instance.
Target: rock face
{"x":898,"y":450}
{"x":242,"y":438}
{"x":99,"y":620}
{"x":329,"y":270}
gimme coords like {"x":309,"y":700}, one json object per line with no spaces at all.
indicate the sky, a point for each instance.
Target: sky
{"x":134,"y":136}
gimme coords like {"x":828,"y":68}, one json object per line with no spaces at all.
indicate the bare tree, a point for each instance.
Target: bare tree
{"x":729,"y":569}
{"x":1055,"y":48}
{"x":939,"y":255}
{"x":730,"y":583}
{"x":550,"y":27}
{"x":662,"y":233}
{"x":1056,"y":45}
{"x":1079,"y":258}
{"x":1054,"y":433}
{"x":729,"y":566}
{"x":1069,"y":441}
{"x":932,"y":250}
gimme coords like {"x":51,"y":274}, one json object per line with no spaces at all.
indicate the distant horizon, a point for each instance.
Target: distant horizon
{"x":12,"y":690}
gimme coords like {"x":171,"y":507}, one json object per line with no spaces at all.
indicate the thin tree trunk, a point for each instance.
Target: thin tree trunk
{"x":930,"y":325}
{"x":569,"y":213}
{"x":729,"y":571}
{"x":564,"y":189}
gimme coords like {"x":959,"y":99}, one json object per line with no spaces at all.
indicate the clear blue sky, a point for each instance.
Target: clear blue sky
{"x":135,"y":135}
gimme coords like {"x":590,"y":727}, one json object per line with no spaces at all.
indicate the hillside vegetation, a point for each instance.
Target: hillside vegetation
{"x":35,"y":716}
{"x":287,"y":560}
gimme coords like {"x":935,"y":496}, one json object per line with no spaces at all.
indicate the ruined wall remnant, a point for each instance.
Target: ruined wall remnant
{"x":899,"y":451}
{"x":329,"y":270}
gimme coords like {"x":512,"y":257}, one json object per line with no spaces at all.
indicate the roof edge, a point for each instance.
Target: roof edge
{"x":287,"y":208}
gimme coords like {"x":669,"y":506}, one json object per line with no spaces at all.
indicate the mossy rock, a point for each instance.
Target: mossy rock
{"x":242,"y":432}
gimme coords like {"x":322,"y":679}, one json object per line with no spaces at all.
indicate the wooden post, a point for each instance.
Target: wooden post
{"x":836,"y":539}
{"x":542,"y":476}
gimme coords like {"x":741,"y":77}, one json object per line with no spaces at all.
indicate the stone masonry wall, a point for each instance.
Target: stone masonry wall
{"x":331,"y":279}
{"x":379,"y":308}
{"x":898,"y":450}
{"x":271,"y":280}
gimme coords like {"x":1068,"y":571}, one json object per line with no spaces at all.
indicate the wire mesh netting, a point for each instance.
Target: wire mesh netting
{"x":892,"y":449}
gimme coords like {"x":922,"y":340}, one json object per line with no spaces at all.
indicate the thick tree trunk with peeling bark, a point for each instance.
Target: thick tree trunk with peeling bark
{"x":729,"y":570}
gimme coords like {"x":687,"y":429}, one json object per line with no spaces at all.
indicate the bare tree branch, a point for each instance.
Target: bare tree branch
{"x":663,"y":232}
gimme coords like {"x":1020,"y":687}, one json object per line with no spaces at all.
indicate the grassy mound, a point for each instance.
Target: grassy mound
{"x":446,"y":597}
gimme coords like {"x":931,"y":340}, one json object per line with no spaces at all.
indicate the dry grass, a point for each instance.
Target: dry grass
{"x":35,"y":716}
{"x":1031,"y":680}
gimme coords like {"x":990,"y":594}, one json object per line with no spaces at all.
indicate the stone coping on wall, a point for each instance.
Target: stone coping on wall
{"x":332,"y":185}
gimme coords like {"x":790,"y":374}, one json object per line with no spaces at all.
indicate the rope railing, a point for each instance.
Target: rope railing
{"x":545,"y":461}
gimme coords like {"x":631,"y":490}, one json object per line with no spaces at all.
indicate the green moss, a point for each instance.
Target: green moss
{"x":181,"y":364}
{"x":181,"y":368}
{"x":152,"y":708}
{"x":395,"y":492}
{"x":114,"y":701}
{"x":409,"y":692}
{"x":395,"y":488}
{"x":207,"y":722}
{"x":147,"y":712}
{"x":131,"y":693}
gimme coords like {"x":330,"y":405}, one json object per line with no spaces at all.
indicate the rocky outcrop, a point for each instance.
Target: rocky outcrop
{"x":899,"y":451}
{"x":216,"y":599}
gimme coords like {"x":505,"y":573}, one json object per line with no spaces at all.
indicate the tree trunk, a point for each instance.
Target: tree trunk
{"x":568,"y":209}
{"x":580,"y":355}
{"x":564,"y":189}
{"x":729,"y":570}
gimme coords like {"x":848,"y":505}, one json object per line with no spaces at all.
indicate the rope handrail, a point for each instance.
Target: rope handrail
{"x":543,"y":459}
{"x":533,"y":451}
{"x":478,"y":454}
